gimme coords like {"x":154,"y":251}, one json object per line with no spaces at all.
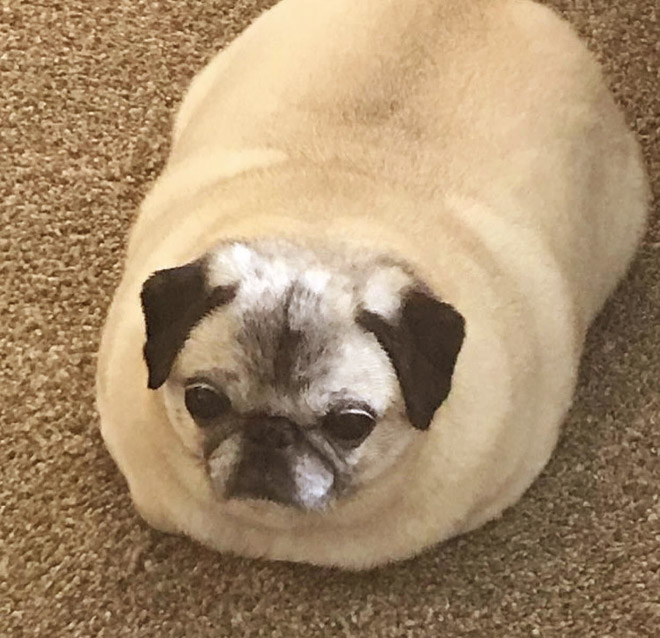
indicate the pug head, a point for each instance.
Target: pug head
{"x":297,"y":375}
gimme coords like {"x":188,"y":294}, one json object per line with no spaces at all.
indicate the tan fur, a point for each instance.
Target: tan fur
{"x":474,"y":140}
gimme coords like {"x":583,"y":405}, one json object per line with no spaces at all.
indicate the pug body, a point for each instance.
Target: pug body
{"x":355,"y":300}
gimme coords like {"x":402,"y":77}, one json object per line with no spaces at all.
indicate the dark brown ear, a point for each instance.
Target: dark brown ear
{"x":173,"y":301}
{"x":423,"y":344}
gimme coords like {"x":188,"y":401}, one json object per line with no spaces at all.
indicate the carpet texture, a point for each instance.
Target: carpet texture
{"x":88,"y":90}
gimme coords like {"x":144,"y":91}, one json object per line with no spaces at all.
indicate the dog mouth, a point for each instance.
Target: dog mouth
{"x":296,"y":477}
{"x":301,"y":481}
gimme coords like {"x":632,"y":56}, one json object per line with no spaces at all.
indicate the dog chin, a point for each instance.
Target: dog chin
{"x":264,"y":513}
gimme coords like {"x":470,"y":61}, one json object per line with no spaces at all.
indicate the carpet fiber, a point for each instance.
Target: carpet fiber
{"x":88,"y":89}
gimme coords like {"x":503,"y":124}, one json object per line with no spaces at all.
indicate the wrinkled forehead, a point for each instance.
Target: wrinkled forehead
{"x":288,"y":341}
{"x":288,"y":309}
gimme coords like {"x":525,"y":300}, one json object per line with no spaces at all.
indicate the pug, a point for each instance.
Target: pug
{"x":354,"y":302}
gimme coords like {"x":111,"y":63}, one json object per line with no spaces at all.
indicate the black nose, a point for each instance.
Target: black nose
{"x":269,"y":431}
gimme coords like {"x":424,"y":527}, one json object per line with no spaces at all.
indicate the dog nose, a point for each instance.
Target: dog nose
{"x":272,"y":432}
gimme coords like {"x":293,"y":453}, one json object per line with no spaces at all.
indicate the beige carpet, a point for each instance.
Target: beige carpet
{"x":88,"y":87}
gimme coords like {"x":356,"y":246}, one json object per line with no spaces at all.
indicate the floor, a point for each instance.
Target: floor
{"x":88,"y":89}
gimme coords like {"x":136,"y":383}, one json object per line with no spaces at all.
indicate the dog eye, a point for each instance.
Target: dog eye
{"x":205,"y":402}
{"x":349,"y":427}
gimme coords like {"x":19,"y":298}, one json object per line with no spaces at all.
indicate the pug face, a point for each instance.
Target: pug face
{"x":296,"y":374}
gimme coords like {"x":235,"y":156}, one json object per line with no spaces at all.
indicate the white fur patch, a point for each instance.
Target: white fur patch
{"x":382,"y":293}
{"x":257,"y":275}
{"x":316,"y":280}
{"x":230,"y":265}
{"x":313,"y":481}
{"x":243,"y":256}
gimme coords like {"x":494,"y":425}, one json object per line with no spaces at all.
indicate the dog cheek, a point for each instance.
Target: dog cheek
{"x":222,"y":462}
{"x":188,"y":433}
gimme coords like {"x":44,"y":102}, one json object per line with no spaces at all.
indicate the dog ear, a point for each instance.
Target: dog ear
{"x":423,"y":343}
{"x":173,"y":302}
